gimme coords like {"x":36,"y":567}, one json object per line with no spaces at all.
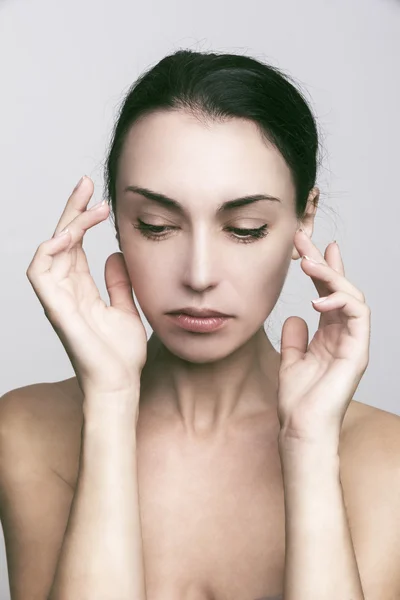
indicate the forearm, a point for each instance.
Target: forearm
{"x":320,"y":560}
{"x":101,"y":556}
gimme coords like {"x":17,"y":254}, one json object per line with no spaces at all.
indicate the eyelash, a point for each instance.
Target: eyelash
{"x":148,"y":232}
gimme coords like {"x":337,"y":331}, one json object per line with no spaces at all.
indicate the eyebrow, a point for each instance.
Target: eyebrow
{"x":175,"y":205}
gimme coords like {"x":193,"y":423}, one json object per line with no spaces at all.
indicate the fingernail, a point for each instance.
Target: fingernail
{"x":79,"y":183}
{"x":318,"y":300}
{"x":98,"y":205}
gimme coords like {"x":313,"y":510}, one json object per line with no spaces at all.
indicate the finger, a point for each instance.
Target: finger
{"x":307,"y":248}
{"x":38,"y":271}
{"x":73,"y":255}
{"x":79,"y":257}
{"x":305,"y":245}
{"x":332,"y":256}
{"x":294,"y":341}
{"x":76,"y":203}
{"x":357,"y":314}
{"x":118,"y":283}
{"x":327,"y":280}
{"x":43,"y":257}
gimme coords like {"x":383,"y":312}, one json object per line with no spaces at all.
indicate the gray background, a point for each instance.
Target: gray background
{"x":65,"y":67}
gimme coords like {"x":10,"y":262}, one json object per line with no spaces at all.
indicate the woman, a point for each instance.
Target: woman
{"x":232,"y":447}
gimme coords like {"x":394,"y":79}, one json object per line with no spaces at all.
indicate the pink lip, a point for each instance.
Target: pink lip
{"x":199,"y":312}
{"x":199,"y":324}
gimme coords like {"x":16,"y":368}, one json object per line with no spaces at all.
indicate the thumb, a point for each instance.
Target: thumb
{"x":118,"y":283}
{"x":294,"y":341}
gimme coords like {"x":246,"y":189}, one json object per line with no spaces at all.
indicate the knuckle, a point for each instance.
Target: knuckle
{"x":32,"y":280}
{"x":357,"y":294}
{"x":39,"y":250}
{"x":30,"y":270}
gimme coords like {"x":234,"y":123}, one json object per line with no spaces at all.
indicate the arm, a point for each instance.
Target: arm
{"x":101,"y":555}
{"x":320,"y":560}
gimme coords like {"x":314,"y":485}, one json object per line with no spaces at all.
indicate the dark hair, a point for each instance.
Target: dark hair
{"x":216,"y":87}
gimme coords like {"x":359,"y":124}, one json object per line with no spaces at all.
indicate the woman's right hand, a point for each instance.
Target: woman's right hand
{"x":107,"y":345}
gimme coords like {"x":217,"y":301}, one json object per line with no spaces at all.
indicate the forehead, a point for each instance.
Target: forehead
{"x":175,"y":153}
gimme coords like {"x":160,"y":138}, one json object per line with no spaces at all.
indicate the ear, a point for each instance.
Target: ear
{"x":307,"y":222}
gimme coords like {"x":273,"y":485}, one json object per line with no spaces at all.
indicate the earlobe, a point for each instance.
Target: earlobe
{"x":295,"y":254}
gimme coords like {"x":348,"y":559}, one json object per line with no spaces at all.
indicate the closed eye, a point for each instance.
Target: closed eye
{"x":159,"y":232}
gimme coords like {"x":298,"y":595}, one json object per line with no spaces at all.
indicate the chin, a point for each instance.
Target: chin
{"x":202,"y":348}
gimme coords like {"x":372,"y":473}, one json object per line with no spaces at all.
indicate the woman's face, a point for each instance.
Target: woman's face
{"x":200,"y":259}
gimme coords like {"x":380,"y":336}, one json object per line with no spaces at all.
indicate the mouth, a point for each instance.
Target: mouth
{"x":208,"y":322}
{"x":201,"y":313}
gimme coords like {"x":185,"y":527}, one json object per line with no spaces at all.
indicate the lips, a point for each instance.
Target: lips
{"x":197,"y":312}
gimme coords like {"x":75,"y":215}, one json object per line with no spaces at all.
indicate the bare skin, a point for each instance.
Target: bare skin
{"x":210,"y":481}
{"x":211,"y":507}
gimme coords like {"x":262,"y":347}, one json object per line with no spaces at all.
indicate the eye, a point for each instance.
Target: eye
{"x":250,"y":234}
{"x":240,"y":235}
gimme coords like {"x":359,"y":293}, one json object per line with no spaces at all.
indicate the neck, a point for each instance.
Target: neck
{"x":207,"y":397}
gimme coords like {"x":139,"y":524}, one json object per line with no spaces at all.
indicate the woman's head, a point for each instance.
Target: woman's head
{"x":203,"y":129}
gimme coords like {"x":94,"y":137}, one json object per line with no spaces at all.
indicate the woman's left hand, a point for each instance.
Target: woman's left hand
{"x":317,"y":380}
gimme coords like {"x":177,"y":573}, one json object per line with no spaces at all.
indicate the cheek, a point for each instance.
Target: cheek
{"x":149,"y":275}
{"x":261,"y":286}
{"x":148,"y":257}
{"x":275,"y":277}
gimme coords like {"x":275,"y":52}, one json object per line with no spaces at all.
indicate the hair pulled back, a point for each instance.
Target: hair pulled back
{"x":216,"y":87}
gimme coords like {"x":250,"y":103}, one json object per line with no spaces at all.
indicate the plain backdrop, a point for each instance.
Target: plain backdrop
{"x":65,"y":67}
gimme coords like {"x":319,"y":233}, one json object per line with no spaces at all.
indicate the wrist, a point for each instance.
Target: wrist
{"x":292,"y":439}
{"x":121,"y":405}
{"x":322,"y":446}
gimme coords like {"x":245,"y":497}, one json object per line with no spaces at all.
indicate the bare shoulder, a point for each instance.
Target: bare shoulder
{"x":370,"y":478}
{"x":371,"y":426}
{"x":39,"y":455}
{"x":48,"y":405}
{"x":47,"y":418}
{"x":370,"y":447}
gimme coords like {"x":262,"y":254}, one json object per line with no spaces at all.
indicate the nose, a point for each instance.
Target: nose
{"x":200,"y":263}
